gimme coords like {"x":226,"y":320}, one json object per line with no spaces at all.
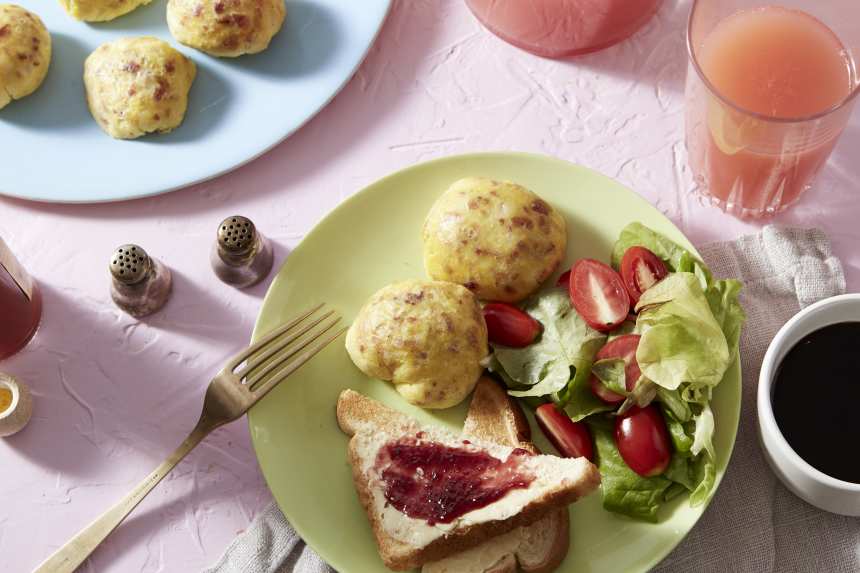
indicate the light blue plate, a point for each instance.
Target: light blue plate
{"x":238,"y":109}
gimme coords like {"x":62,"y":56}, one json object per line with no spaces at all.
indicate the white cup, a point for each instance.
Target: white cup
{"x":808,"y":483}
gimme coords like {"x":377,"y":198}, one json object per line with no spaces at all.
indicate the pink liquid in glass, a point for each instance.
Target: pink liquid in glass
{"x":778,"y":63}
{"x":556,"y":28}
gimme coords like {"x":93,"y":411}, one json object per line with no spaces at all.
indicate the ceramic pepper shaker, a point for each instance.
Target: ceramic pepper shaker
{"x":140,"y":284}
{"x":241,"y":255}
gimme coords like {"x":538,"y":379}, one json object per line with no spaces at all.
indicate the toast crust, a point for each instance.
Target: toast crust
{"x":496,"y":417}
{"x":493,"y":417}
{"x":558,"y":524}
{"x":355,"y":411}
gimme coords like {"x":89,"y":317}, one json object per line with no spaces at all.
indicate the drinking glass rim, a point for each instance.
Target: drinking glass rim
{"x":759,"y":116}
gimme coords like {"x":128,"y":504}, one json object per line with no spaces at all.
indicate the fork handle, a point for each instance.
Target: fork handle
{"x":75,"y":552}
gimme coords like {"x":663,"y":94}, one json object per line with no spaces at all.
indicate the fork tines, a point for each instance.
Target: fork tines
{"x":285,"y":349}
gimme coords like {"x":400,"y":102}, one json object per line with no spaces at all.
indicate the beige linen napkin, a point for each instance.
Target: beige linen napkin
{"x":269,"y":545}
{"x":753,"y":523}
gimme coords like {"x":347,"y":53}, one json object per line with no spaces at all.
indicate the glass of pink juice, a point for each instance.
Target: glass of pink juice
{"x":558,"y":28}
{"x":769,"y":90}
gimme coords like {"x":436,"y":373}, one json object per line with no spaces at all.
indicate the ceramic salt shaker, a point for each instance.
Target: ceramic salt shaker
{"x":140,"y":284}
{"x":241,"y":255}
{"x":16,"y":405}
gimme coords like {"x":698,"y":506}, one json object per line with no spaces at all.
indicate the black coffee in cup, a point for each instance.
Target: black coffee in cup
{"x":816,"y":400}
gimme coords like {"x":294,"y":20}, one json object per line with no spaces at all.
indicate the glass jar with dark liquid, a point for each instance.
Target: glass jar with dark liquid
{"x":20,"y":304}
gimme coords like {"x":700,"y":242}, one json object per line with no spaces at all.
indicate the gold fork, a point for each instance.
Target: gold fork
{"x":243,"y":382}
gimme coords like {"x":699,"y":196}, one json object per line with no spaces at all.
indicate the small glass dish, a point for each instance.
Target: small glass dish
{"x":18,"y":413}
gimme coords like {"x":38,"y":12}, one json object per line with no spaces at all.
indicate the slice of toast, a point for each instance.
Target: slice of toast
{"x":537,"y":548}
{"x":405,"y":542}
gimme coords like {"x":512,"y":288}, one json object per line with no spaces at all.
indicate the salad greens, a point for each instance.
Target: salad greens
{"x":681,"y":340}
{"x":559,"y":363}
{"x":681,"y":434}
{"x":671,"y":400}
{"x":689,"y":325}
{"x":722,"y":295}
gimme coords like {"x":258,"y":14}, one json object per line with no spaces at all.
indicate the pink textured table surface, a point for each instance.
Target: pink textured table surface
{"x":115,"y":395}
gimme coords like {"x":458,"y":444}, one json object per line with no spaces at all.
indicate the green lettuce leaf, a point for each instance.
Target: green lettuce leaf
{"x":695,"y":475}
{"x":610,"y":371}
{"x":674,"y":491}
{"x":693,"y":394}
{"x":722,"y":297}
{"x":681,"y":472}
{"x":578,"y":400}
{"x":563,"y":353}
{"x":624,"y":491}
{"x":705,"y":472}
{"x":681,"y":340}
{"x":696,"y":472}
{"x":492,"y":364}
{"x":672,"y":401}
{"x":704,"y":433}
{"x":681,"y":440}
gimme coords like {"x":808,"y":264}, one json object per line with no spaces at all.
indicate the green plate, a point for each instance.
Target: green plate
{"x":374,"y":238}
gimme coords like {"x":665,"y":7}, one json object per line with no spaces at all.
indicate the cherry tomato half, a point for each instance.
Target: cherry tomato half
{"x":641,"y":269}
{"x":509,"y":326}
{"x":643,"y":441}
{"x":564,"y":280}
{"x":623,"y":347}
{"x":598,"y":294}
{"x":571,"y":439}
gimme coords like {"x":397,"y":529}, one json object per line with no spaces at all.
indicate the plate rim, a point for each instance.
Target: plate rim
{"x":188,"y":182}
{"x":344,"y":204}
